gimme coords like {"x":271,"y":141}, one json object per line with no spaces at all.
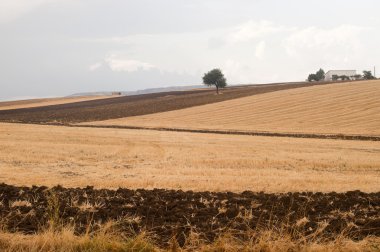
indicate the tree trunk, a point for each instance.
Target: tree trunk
{"x":217,"y":89}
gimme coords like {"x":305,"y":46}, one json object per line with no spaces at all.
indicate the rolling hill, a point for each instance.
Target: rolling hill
{"x":125,"y":106}
{"x":344,"y":108}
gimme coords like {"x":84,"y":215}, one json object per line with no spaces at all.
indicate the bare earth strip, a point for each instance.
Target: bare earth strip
{"x":346,"y":108}
{"x":32,"y":103}
{"x":111,"y":158}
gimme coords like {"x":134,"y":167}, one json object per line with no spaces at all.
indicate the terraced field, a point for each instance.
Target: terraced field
{"x":346,"y":108}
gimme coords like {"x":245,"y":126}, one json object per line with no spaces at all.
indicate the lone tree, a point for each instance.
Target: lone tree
{"x":318,"y":76}
{"x":367,"y":75}
{"x":312,"y":77}
{"x":215,"y":78}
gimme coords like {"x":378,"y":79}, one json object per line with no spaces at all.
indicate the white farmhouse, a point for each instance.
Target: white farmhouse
{"x":349,"y":73}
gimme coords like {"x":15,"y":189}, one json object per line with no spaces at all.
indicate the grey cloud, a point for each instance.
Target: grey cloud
{"x":52,"y":47}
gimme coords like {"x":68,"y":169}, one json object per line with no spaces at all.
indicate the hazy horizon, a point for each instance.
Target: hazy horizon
{"x":57,"y":48}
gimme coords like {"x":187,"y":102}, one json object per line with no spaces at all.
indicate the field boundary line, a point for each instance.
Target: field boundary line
{"x":237,"y":132}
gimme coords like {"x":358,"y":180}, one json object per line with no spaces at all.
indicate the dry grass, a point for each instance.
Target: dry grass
{"x":46,"y":102}
{"x":271,"y":241}
{"x":105,"y":240}
{"x":65,"y":240}
{"x":21,"y":203}
{"x":111,"y":158}
{"x":347,"y":108}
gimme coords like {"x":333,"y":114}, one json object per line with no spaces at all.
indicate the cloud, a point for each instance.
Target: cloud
{"x":232,"y":69}
{"x":244,"y":57}
{"x":95,"y":66}
{"x":119,"y":64}
{"x":344,"y":38}
{"x":254,"y":30}
{"x":260,"y":49}
{"x":12,"y":9}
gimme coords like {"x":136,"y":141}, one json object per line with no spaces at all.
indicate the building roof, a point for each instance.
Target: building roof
{"x":340,"y":70}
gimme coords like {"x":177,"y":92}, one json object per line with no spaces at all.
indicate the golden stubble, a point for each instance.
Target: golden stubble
{"x":112,"y":158}
{"x":346,"y":108}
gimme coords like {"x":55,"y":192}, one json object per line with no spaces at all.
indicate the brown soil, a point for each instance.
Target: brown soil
{"x":169,"y":213}
{"x":125,"y":106}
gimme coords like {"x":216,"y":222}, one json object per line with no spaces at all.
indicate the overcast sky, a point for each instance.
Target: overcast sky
{"x":60,"y":47}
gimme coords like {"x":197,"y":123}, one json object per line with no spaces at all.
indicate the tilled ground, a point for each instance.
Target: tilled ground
{"x":125,"y":106}
{"x":168,"y":213}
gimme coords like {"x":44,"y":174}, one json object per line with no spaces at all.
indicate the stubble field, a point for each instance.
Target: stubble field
{"x":112,"y":158}
{"x":346,"y":108}
{"x":218,"y":192}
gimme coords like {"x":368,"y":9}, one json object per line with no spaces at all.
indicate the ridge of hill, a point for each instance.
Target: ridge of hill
{"x":141,"y":91}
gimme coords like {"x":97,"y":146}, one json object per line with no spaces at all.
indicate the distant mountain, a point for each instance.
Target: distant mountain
{"x":143,"y":91}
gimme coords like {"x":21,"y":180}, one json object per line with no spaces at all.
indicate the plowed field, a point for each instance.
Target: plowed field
{"x":210,"y":185}
{"x":170,"y":214}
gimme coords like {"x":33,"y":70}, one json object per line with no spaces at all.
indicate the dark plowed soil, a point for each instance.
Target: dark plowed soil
{"x":169,"y":213}
{"x":126,"y":106}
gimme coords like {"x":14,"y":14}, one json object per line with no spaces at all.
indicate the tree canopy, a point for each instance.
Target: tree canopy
{"x":318,"y":76}
{"x":367,"y":75}
{"x":215,"y":78}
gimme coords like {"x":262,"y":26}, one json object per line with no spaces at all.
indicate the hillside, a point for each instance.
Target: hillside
{"x":134,"y":105}
{"x":32,"y":103}
{"x":344,"y":108}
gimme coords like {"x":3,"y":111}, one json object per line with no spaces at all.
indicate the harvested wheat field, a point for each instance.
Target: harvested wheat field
{"x":216,"y":192}
{"x":32,"y":103}
{"x":345,"y":108}
{"x":112,"y":158}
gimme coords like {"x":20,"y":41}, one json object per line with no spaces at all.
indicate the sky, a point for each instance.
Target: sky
{"x":60,"y":47}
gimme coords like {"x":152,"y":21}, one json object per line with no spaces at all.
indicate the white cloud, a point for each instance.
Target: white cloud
{"x":253,"y":30}
{"x":238,"y":71}
{"x":233,"y":70}
{"x":12,"y":9}
{"x":341,"y":38}
{"x":244,"y":57}
{"x":95,"y":66}
{"x":120,"y":64}
{"x":260,"y":49}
